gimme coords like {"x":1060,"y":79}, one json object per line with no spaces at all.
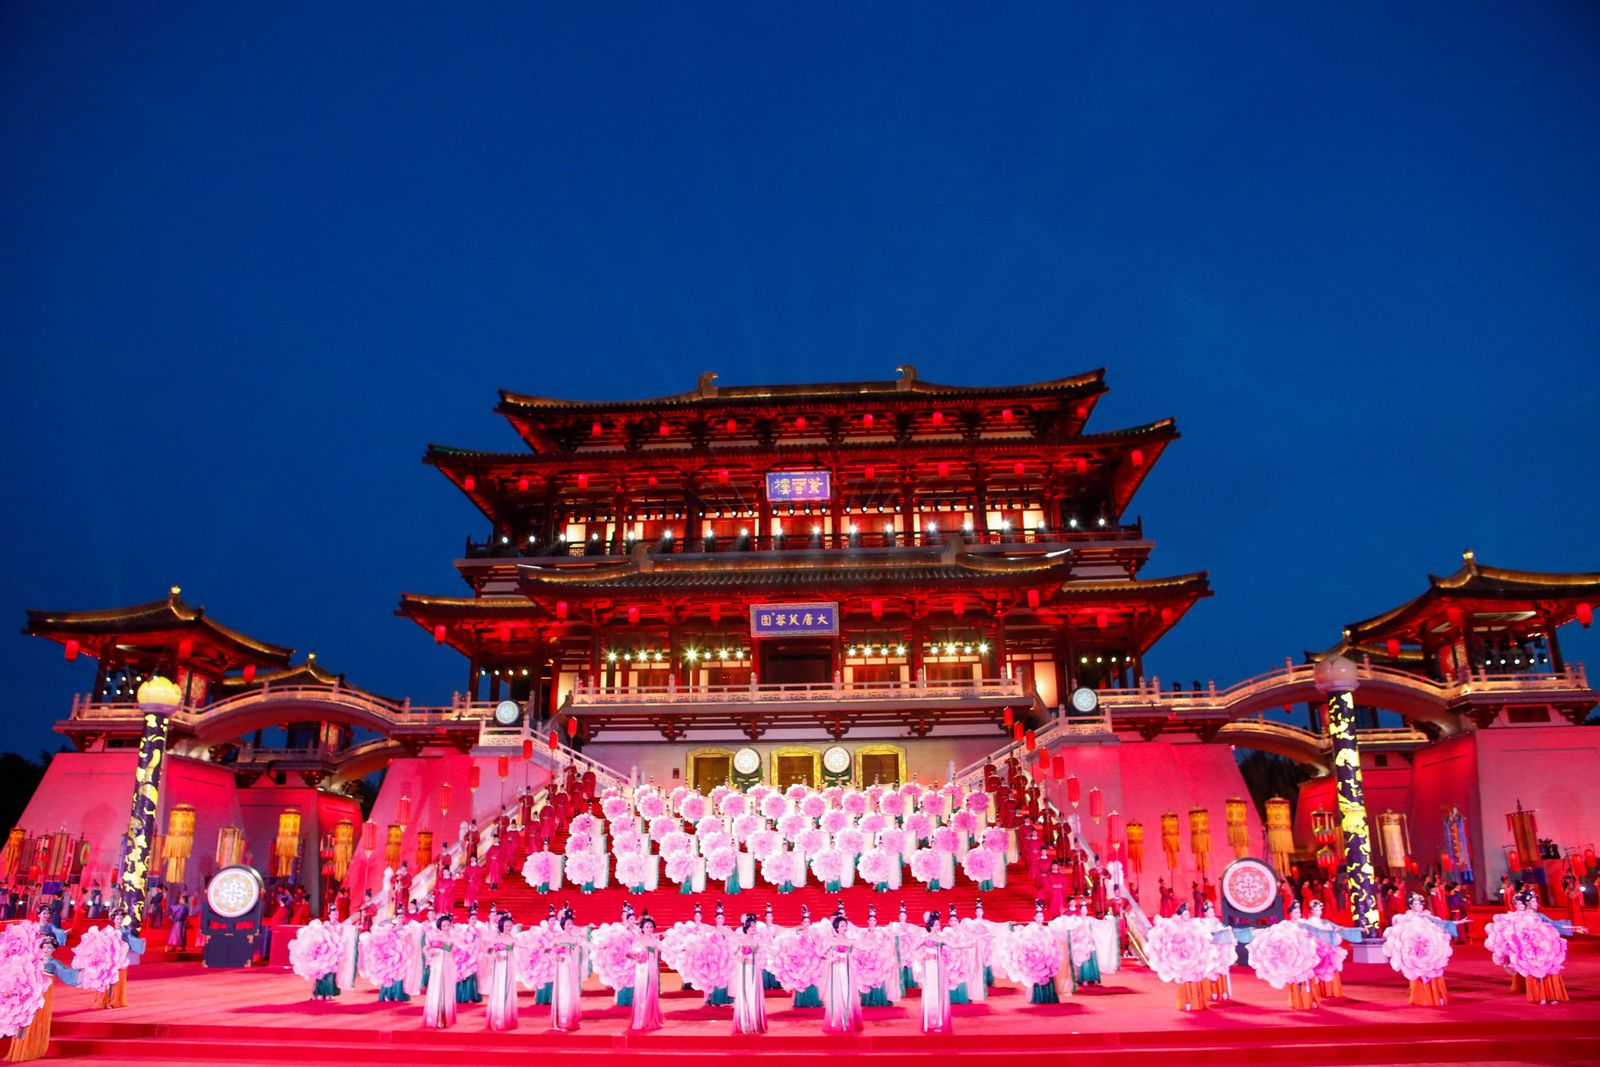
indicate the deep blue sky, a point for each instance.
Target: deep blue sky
{"x":253,"y":260}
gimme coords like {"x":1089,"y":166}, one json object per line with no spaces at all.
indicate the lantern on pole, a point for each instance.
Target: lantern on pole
{"x":1009,"y":717}
{"x":527,"y":748}
{"x":403,"y":811}
{"x":344,"y":847}
{"x":424,"y":848}
{"x":1135,"y":836}
{"x":177,"y":846}
{"x":572,"y":726}
{"x":1044,"y":758}
{"x":1097,"y":803}
{"x":504,"y":766}
{"x":71,"y":648}
{"x":391,"y":845}
{"x":1016,"y":732}
{"x":555,"y":740}
{"x":1030,"y":740}
{"x":1074,"y":790}
{"x":1171,"y":843}
{"x":1058,"y":765}
{"x":288,"y":842}
{"x":369,"y":838}
{"x":1280,"y":834}
{"x":1200,"y":838}
{"x":230,"y":846}
{"x":444,"y":798}
{"x":1233,"y":810}
{"x":474,"y":776}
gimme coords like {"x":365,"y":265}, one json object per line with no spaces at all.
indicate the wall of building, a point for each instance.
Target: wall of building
{"x":1552,"y":770}
{"x":90,"y":793}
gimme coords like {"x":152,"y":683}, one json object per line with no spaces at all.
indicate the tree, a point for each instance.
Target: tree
{"x":1267,"y":776}
{"x":19,"y":777}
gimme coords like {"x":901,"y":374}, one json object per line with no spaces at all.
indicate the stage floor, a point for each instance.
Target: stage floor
{"x":184,"y":1013}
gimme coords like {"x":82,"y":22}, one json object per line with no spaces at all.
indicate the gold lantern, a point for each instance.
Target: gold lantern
{"x":1280,"y":834}
{"x":1200,"y":838}
{"x":179,"y":842}
{"x":1135,"y":846}
{"x":11,"y":855}
{"x":1171,"y":844}
{"x":230,"y":846}
{"x":1395,"y":837}
{"x":391,"y":847}
{"x":344,"y":848}
{"x":424,"y":848}
{"x":1238,"y":829}
{"x":288,"y":842}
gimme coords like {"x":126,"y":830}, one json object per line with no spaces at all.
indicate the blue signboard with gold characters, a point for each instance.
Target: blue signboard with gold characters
{"x":799,"y":485}
{"x":794,"y":620}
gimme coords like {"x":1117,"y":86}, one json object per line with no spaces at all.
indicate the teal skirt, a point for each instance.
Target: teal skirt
{"x":958,"y":995}
{"x":908,"y":979}
{"x":543,"y":996}
{"x":770,"y":981}
{"x":1044,"y":993}
{"x":625,"y":997}
{"x":467,"y":991}
{"x":876,"y":997}
{"x":327,"y":986}
{"x":809,"y":997}
{"x":1089,"y":972}
{"x":687,"y":889}
{"x":719,"y":997}
{"x":394,"y":991}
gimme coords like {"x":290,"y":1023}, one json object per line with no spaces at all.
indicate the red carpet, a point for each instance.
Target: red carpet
{"x":181,"y":1013}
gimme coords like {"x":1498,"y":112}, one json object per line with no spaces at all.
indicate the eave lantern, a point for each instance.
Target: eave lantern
{"x":71,"y":648}
{"x":1234,"y":812}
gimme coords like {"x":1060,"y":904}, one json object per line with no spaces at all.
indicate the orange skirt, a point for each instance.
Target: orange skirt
{"x":1518,"y":983}
{"x":1192,"y":996}
{"x":34,"y":1039}
{"x":1429,"y":994}
{"x":1552,"y":989}
{"x":1333,"y":987}
{"x":1303,"y":995}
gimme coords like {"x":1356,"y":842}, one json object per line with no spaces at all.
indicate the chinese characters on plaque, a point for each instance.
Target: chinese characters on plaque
{"x":794,"y":620}
{"x":799,"y":485}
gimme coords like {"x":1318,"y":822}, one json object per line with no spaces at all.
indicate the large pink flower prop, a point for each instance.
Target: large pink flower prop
{"x":995,"y":839}
{"x":875,"y":958}
{"x":101,"y":954}
{"x":811,"y":840}
{"x":626,"y":841}
{"x":834,"y":821}
{"x":813,"y":806}
{"x":693,"y":808}
{"x":781,"y":867}
{"x":22,"y":987}
{"x":1283,"y":954}
{"x":583,"y":868}
{"x":1330,"y":961}
{"x":828,"y":865}
{"x":579,"y":842}
{"x":1526,"y":944}
{"x":385,"y":954}
{"x":934,"y":805}
{"x":317,"y":950}
{"x":1178,"y":950}
{"x":892,"y":804}
{"x":661,"y":826}
{"x":873,"y":822}
{"x":920,"y":825}
{"x":977,"y":803}
{"x":652,"y":805}
{"x":584,"y":824}
{"x":632,"y":868}
{"x":705,"y":958}
{"x":734,"y":804}
{"x":680,"y":865}
{"x":792,"y":825}
{"x":875,"y":866}
{"x":466,"y":948}
{"x":893,"y":841}
{"x":926,"y":865}
{"x":945,"y":839}
{"x":745,"y":825}
{"x":535,"y":964}
{"x":854,"y":804}
{"x":20,"y":939}
{"x":774,"y":806}
{"x":981,"y":865}
{"x":850,"y":841}
{"x":540,"y":868}
{"x":797,"y":958}
{"x":764,"y":843}
{"x":1029,"y":954}
{"x":615,"y":809}
{"x":1417,"y":948}
{"x":609,"y":944}
{"x":720,"y":864}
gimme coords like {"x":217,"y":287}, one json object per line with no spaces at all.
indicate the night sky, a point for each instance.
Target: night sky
{"x":253,"y":260}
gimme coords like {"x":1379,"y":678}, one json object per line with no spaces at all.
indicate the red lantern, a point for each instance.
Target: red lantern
{"x":1511,"y":859}
{"x":732,"y":425}
{"x":522,"y":485}
{"x":1006,"y":416}
{"x":504,"y":766}
{"x":1586,"y":614}
{"x":72,"y":647}
{"x":469,"y":483}
{"x":633,"y":615}
{"x":800,"y":424}
{"x":1074,"y":788}
{"x":866,"y":420}
{"x":596,"y":429}
{"x":185,"y":648}
{"x":555,"y":740}
{"x":572,"y":726}
{"x":959,"y":606}
{"x":1097,"y":803}
{"x":474,"y":776}
{"x":1009,"y":717}
{"x":1138,"y":458}
{"x":444,"y":798}
{"x":938,"y":418}
{"x":1017,"y":468}
{"x":1044,"y":755}
{"x":1033,"y":598}
{"x":1588,"y":858}
{"x":1016,"y":731}
{"x":871,"y":472}
{"x":877,"y":608}
{"x":1042,"y":771}
{"x":561,"y":609}
{"x":1393,"y":647}
{"x":505,"y":633}
{"x":716,"y":613}
{"x":1100,"y":620}
{"x":1030,"y":740}
{"x":944,"y":470}
{"x":666,"y":429}
{"x":1446,"y":863}
{"x":438,"y":634}
{"x":249,"y":673}
{"x":1058,"y":765}
{"x":369,"y":836}
{"x":583,"y":481}
{"x":527,"y":748}
{"x":722,"y":475}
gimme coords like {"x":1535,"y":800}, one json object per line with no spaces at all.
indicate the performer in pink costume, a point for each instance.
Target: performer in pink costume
{"x":841,"y":1003}
{"x":501,"y":1013}
{"x":646,"y":957}
{"x":439,"y":1006}
{"x":749,"y":996}
{"x":930,"y":975}
{"x":571,"y":949}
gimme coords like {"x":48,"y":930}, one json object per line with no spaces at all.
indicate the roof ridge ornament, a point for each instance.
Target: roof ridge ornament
{"x":707,"y":387}
{"x":908,"y":377}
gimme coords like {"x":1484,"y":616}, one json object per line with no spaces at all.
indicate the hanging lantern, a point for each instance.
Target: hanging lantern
{"x":1171,"y":843}
{"x":527,"y":748}
{"x":249,"y":673}
{"x":438,"y":634}
{"x":522,"y":484}
{"x":391,"y":845}
{"x":1031,"y":740}
{"x":1058,"y":765}
{"x":583,"y":481}
{"x":716,"y":613}
{"x":469,"y":483}
{"x":1135,"y":835}
{"x":555,"y":740}
{"x":1016,"y":732}
{"x":1017,"y":468}
{"x":1200,"y":838}
{"x":444,"y":797}
{"x":1280,"y":835}
{"x":1393,"y":647}
{"x":185,"y":649}
{"x":958,"y":606}
{"x":561,"y":609}
{"x":866,"y":420}
{"x":179,"y":842}
{"x":1097,"y":803}
{"x":1101,"y":620}
{"x":1009,"y":717}
{"x":1585,"y":614}
{"x":1074,"y":790}
{"x":1114,"y":836}
{"x":230,"y":846}
{"x":1447,"y":862}
{"x":287,"y":843}
{"x":424,"y":848}
{"x":633,"y":615}
{"x":1033,"y":598}
{"x":403,"y":811}
{"x":572,"y":726}
{"x":877,"y":608}
{"x":505,"y":766}
{"x":1044,"y":755}
{"x":1137,"y":456}
{"x":1006,"y":416}
{"x":870,"y":472}
{"x":1234,"y":812}
{"x":938,"y":418}
{"x":71,"y":648}
{"x":369,"y":837}
{"x":344,"y":847}
{"x":474,"y":776}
